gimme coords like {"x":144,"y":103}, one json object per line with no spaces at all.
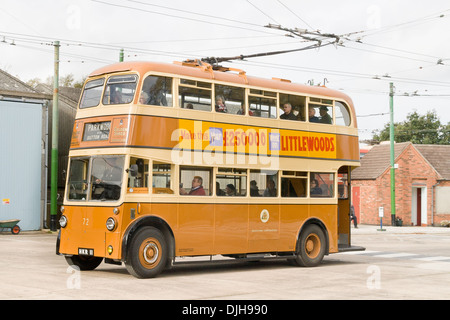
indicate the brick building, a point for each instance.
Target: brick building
{"x":422,"y":184}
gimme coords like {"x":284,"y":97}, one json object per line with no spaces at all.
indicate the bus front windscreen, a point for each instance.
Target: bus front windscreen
{"x":96,"y":178}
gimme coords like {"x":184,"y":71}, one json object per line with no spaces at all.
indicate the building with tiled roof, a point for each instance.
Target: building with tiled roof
{"x":422,"y":184}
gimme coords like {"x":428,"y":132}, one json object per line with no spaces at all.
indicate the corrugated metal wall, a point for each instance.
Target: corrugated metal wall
{"x":20,"y":162}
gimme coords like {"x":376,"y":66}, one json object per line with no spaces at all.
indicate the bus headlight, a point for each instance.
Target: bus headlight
{"x":63,"y":221}
{"x":111,"y":224}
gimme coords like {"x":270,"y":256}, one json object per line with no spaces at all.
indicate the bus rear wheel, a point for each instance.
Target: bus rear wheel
{"x":147,"y":253}
{"x":311,"y":247}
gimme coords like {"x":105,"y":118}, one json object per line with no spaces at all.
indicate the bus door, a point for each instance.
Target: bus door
{"x":344,"y":203}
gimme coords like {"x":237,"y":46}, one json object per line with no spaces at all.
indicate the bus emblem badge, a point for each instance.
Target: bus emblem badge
{"x":264,"y":216}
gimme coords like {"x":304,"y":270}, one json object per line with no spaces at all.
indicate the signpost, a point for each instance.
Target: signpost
{"x":381,"y":215}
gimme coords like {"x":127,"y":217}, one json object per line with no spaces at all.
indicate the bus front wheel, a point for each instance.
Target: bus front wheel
{"x":147,"y":253}
{"x":84,"y":262}
{"x":311,"y":247}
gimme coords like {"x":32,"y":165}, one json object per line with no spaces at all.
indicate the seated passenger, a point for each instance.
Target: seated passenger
{"x":219,"y":192}
{"x":254,"y":190}
{"x":220,"y":104}
{"x":230,"y":190}
{"x":271,"y":191}
{"x":288,"y":113}
{"x":197,"y":188}
{"x":324,"y":116}
{"x":241,"y":111}
{"x":314,"y":188}
{"x":116,"y":97}
{"x":143,"y":99}
{"x":312,"y":115}
{"x":157,"y":98}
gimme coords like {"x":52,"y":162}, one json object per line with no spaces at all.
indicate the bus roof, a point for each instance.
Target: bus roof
{"x":191,"y":70}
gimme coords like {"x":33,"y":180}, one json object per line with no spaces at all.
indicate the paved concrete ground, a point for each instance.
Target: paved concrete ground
{"x":400,"y":263}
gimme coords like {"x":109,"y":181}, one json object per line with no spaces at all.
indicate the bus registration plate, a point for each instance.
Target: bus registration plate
{"x":85,"y":252}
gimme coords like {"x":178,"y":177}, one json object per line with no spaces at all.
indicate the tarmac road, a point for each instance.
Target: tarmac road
{"x":399,"y":263}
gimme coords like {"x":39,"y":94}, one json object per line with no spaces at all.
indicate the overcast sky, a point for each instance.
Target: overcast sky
{"x":395,"y":41}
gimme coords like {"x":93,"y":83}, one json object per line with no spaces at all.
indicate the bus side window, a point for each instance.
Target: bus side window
{"x":157,"y":91}
{"x":262,"y":104}
{"x":233,"y":99}
{"x":195,"y":95}
{"x":231,"y":182}
{"x":195,"y":181}
{"x":343,"y":185}
{"x":297,"y":103}
{"x":162,"y":178}
{"x":263,"y":183}
{"x":138,"y":181}
{"x":293,"y":184}
{"x":342,"y":114}
{"x":321,"y":185}
{"x":320,"y":110}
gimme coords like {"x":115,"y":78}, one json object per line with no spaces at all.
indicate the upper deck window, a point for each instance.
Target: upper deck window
{"x":120,"y":89}
{"x":292,"y":107}
{"x":195,"y":95}
{"x":262,"y":104}
{"x":320,"y":110}
{"x":342,"y":114}
{"x":92,"y":93}
{"x":157,"y":91}
{"x":229,"y":99}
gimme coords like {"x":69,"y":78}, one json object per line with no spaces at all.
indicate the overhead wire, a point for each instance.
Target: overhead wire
{"x":295,"y":14}
{"x":47,"y":41}
{"x":179,"y":17}
{"x":254,"y":6}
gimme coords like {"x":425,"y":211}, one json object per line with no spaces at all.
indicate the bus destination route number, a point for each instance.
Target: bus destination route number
{"x":96,"y":131}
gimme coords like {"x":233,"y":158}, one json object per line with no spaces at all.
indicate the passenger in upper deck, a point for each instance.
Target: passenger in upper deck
{"x":220,"y":104}
{"x":157,"y":98}
{"x":241,"y":111}
{"x":312,"y":115}
{"x":143,"y":99}
{"x":324,"y":116}
{"x":288,"y":113}
{"x":116,"y":97}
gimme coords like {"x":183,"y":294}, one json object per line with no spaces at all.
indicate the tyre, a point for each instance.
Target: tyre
{"x":15,"y":229}
{"x":311,"y":247}
{"x":147,"y":253}
{"x":84,"y":263}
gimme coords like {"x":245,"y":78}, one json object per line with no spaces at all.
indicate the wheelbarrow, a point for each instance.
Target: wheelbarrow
{"x":10,"y":224}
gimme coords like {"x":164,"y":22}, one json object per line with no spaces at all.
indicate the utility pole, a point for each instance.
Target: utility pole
{"x":54,"y":157}
{"x":391,"y":134}
{"x":121,"y":55}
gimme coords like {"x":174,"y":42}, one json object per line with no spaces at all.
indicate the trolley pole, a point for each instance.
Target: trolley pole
{"x":54,"y":156}
{"x":391,"y":134}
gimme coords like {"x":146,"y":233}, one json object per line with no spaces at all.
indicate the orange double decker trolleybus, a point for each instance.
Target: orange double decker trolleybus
{"x":183,"y":159}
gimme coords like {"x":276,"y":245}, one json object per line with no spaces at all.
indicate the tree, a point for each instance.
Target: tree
{"x":418,"y":129}
{"x":64,"y":81}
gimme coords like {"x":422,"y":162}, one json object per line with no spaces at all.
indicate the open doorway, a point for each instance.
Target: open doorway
{"x":419,"y":206}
